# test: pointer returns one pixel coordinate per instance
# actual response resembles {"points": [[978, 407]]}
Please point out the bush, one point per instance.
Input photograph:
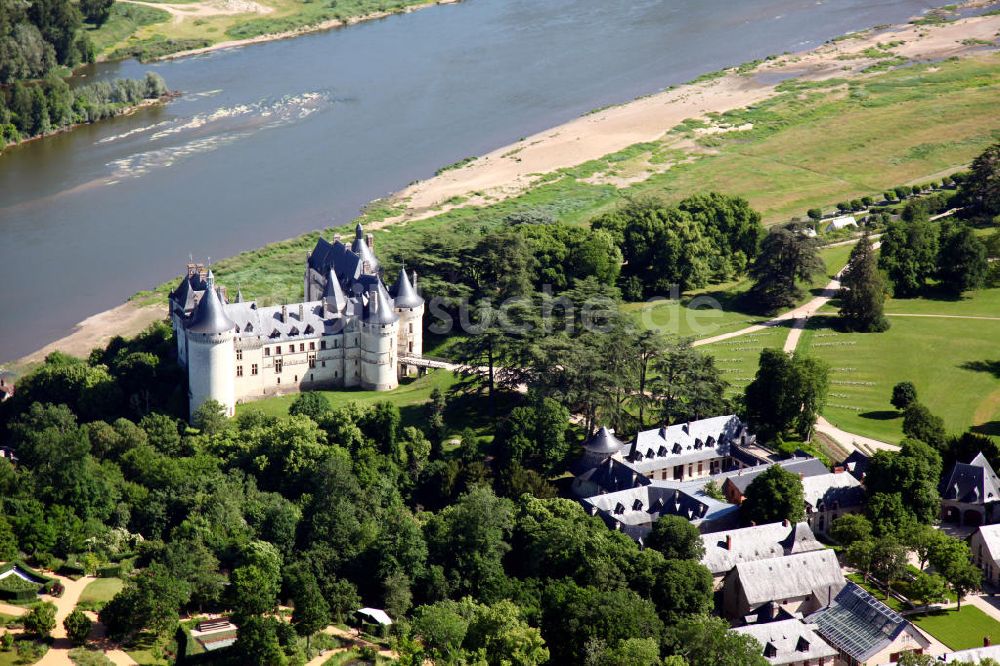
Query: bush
{"points": [[815, 214], [843, 206], [77, 627], [857, 205], [41, 620], [902, 192], [109, 571], [889, 196], [868, 202], [70, 569]]}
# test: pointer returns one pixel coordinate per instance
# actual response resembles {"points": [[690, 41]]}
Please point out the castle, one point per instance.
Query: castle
{"points": [[350, 331]]}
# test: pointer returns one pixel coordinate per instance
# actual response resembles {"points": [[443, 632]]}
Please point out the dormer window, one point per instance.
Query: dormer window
{"points": [[619, 509], [249, 328], [294, 331], [677, 448]]}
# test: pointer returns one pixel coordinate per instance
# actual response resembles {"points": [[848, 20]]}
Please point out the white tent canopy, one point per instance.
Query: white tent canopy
{"points": [[376, 615]]}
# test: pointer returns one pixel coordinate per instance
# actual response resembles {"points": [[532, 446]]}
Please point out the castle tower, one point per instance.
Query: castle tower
{"points": [[409, 306], [364, 247], [211, 352], [379, 334]]}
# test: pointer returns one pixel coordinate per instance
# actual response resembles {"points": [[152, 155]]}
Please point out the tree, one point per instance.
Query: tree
{"points": [[920, 424], [860, 556], [888, 561], [151, 600], [676, 538], [688, 384], [785, 259], [913, 473], [210, 417], [682, 588], [849, 528], [499, 636], [96, 11], [903, 395], [928, 589], [863, 294], [77, 626], [442, 629], [310, 611], [257, 642], [787, 392], [889, 515], [951, 558], [707, 641], [254, 586], [815, 214], [982, 187], [774, 495], [964, 578], [311, 404], [962, 264], [909, 255], [40, 620]]}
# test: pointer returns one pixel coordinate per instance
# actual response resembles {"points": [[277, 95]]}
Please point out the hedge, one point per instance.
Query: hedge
{"points": [[109, 571]]}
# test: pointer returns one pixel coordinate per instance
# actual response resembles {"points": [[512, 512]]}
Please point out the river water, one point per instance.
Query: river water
{"points": [[276, 139]]}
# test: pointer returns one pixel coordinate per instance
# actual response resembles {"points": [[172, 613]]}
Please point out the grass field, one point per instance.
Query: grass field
{"points": [[99, 592], [955, 364], [141, 30], [411, 393], [959, 630], [737, 358]]}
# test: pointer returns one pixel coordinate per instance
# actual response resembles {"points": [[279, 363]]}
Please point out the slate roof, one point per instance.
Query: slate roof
{"points": [[972, 483], [684, 443], [404, 294], [856, 464], [603, 441], [187, 292], [789, 577], [724, 550], [634, 510], [858, 623], [333, 294], [825, 491], [380, 307], [210, 315], [611, 475], [805, 467], [788, 641]]}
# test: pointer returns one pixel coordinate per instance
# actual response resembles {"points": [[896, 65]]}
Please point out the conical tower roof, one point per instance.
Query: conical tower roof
{"points": [[210, 316], [379, 310], [360, 248], [603, 441], [333, 295], [404, 293]]}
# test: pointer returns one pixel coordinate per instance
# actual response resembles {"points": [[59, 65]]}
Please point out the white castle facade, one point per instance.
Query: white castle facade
{"points": [[350, 331]]}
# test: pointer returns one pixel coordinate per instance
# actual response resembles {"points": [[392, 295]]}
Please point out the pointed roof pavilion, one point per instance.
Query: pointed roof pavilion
{"points": [[603, 441], [210, 315], [404, 293]]}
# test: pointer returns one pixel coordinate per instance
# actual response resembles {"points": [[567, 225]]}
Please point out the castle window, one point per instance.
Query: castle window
{"points": [[324, 365], [277, 367], [267, 351], [310, 377], [253, 369], [296, 379], [322, 344], [302, 346], [410, 346], [239, 371], [411, 327], [312, 360], [279, 380], [277, 349], [239, 354], [312, 346]]}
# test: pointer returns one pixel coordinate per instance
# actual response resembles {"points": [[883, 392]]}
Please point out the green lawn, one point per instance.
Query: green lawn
{"points": [[737, 358], [98, 593], [959, 630], [11, 658], [955, 364], [412, 392]]}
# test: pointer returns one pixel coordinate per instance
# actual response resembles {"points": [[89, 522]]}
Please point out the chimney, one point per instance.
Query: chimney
{"points": [[284, 314], [838, 469], [687, 428], [785, 522], [370, 241], [414, 280], [302, 311], [987, 642], [729, 542]]}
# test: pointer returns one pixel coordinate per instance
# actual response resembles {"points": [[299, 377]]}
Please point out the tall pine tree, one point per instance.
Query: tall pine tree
{"points": [[862, 298]]}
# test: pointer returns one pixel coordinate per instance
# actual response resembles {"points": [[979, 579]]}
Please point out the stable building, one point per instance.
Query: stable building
{"points": [[724, 550], [829, 496], [799, 583], [790, 643], [971, 493], [634, 511]]}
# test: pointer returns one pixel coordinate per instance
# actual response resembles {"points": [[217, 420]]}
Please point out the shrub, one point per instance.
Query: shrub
{"points": [[857, 205], [77, 627], [868, 202], [889, 196], [902, 192], [41, 620], [843, 206], [109, 571], [815, 214]]}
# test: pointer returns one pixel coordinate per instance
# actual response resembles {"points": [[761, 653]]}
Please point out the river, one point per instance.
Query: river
{"points": [[275, 139]]}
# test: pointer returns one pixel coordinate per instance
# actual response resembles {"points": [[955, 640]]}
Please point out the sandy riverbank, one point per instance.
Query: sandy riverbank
{"points": [[317, 27], [508, 171]]}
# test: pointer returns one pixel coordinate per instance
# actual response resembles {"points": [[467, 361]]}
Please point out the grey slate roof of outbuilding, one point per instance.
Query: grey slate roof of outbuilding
{"points": [[603, 441], [804, 467], [724, 550], [990, 535], [683, 443], [789, 577], [610, 476], [210, 315], [633, 510], [858, 623], [972, 483], [404, 294], [825, 491], [793, 641]]}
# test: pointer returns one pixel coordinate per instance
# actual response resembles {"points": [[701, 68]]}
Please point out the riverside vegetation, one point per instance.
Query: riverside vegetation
{"points": [[39, 44]]}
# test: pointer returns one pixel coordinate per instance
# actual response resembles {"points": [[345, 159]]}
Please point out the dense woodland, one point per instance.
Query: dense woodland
{"points": [[40, 43], [456, 520]]}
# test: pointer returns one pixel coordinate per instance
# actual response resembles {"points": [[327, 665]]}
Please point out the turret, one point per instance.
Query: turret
{"points": [[409, 306], [379, 333], [365, 248], [334, 299], [211, 353]]}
